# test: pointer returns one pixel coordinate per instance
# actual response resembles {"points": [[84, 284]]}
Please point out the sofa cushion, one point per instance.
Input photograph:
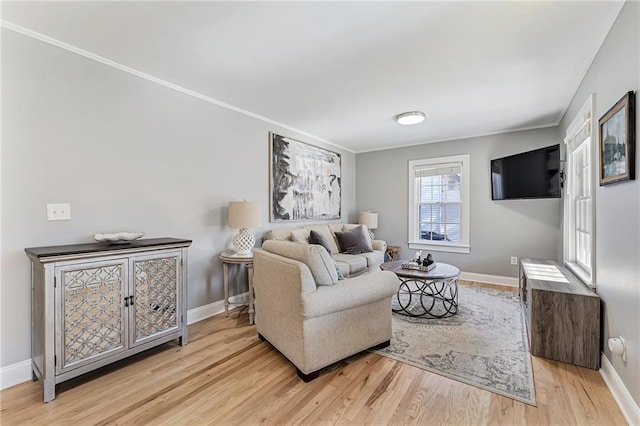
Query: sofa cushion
{"points": [[343, 267], [317, 238], [319, 262], [356, 263], [354, 241], [374, 258], [278, 234], [300, 236], [324, 230], [336, 227]]}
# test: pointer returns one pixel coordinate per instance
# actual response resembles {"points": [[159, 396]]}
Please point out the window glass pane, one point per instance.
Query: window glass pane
{"points": [[452, 231], [452, 212], [426, 213], [588, 226], [425, 231], [453, 193]]}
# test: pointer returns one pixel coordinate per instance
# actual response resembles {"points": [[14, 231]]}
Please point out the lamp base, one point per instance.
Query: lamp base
{"points": [[373, 237], [243, 242]]}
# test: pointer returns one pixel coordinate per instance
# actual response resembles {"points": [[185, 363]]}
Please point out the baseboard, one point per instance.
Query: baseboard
{"points": [[620, 393], [489, 279], [203, 312], [15, 374], [20, 372]]}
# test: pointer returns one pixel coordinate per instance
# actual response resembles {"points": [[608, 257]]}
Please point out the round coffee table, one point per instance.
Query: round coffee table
{"points": [[432, 294]]}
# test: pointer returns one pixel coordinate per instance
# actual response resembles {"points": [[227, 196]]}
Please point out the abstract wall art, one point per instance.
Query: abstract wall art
{"points": [[305, 181]]}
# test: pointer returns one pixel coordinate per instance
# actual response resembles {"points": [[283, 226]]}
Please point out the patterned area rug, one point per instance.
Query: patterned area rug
{"points": [[484, 345]]}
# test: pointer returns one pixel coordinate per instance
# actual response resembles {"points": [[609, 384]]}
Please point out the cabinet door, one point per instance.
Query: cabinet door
{"points": [[90, 312], [157, 300]]}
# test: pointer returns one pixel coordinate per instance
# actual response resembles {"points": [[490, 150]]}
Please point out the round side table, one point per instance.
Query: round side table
{"points": [[229, 257]]}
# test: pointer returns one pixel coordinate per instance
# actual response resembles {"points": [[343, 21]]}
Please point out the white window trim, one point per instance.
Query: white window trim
{"points": [[580, 120], [414, 230]]}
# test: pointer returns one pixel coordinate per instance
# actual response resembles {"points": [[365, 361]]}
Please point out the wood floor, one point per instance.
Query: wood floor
{"points": [[226, 375]]}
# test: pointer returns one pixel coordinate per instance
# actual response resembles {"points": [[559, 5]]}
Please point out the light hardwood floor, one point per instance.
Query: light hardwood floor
{"points": [[226, 375]]}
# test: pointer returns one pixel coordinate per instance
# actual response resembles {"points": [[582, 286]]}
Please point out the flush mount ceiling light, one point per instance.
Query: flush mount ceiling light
{"points": [[411, 117]]}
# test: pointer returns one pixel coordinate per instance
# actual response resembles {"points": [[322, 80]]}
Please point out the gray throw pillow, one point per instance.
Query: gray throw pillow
{"points": [[354, 241], [317, 238]]}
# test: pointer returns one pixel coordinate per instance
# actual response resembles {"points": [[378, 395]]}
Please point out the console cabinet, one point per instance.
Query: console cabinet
{"points": [[562, 313], [93, 304]]}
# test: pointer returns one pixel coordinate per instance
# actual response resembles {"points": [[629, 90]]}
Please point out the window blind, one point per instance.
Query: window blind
{"points": [[439, 201]]}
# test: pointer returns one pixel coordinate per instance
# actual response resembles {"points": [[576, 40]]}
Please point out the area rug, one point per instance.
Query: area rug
{"points": [[484, 345]]}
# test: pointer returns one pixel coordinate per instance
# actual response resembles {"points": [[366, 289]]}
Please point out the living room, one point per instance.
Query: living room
{"points": [[133, 149]]}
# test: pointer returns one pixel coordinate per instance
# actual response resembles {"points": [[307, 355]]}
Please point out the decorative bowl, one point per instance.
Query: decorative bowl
{"points": [[118, 237]]}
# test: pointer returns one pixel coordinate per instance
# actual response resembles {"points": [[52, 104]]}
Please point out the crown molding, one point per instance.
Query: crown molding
{"points": [[89, 55]]}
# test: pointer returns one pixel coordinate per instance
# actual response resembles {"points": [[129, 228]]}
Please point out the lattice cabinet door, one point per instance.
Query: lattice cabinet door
{"points": [[155, 298], [90, 313]]}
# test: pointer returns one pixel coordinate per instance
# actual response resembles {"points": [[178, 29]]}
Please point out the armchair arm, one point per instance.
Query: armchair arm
{"points": [[380, 245], [350, 293]]}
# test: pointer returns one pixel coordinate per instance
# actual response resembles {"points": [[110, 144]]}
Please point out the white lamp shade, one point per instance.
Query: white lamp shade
{"points": [[244, 214], [368, 218]]}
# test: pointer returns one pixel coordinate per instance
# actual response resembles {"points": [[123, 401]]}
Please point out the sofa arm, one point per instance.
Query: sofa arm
{"points": [[379, 245], [350, 293]]}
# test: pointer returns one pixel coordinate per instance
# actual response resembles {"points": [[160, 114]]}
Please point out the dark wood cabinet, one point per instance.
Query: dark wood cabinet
{"points": [[562, 313]]}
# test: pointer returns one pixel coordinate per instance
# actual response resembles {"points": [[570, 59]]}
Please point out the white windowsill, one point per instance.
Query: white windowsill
{"points": [[580, 273], [449, 248]]}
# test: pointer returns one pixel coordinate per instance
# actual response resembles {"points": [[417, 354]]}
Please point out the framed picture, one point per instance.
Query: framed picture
{"points": [[617, 142], [305, 181]]}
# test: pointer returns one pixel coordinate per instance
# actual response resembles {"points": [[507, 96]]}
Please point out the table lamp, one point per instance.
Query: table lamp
{"points": [[244, 215], [370, 219]]}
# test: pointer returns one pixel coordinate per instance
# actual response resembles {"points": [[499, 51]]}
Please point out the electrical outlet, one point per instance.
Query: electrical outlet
{"points": [[58, 212], [514, 260]]}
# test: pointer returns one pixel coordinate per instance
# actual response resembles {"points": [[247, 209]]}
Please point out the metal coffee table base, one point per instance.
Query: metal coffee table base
{"points": [[427, 298]]}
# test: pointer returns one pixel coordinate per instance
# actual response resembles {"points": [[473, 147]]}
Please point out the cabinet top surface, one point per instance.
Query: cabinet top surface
{"points": [[550, 275], [42, 253]]}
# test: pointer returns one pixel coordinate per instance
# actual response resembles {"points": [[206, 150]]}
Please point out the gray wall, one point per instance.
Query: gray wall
{"points": [[615, 71], [127, 154], [499, 229]]}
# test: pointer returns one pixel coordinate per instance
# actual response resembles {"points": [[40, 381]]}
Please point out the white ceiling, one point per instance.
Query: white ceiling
{"points": [[340, 71]]}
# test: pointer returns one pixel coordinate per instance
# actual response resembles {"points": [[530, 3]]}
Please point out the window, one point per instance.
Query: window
{"points": [[439, 204], [579, 195]]}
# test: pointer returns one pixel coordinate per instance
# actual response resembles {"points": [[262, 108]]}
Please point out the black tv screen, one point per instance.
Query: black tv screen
{"points": [[532, 174]]}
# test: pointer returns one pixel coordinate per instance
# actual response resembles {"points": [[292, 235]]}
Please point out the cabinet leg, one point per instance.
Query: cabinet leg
{"points": [[182, 340], [34, 376], [49, 389]]}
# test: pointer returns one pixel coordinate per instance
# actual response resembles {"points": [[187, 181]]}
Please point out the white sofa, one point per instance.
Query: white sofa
{"points": [[350, 265], [309, 315]]}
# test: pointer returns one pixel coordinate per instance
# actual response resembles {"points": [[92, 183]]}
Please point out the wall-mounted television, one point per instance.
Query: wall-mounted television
{"points": [[532, 174]]}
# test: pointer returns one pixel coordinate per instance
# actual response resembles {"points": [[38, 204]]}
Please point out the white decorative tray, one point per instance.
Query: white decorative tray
{"points": [[118, 237], [414, 266]]}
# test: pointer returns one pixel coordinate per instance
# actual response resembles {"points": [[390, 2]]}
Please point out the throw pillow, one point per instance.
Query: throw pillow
{"points": [[354, 241], [300, 236], [317, 238]]}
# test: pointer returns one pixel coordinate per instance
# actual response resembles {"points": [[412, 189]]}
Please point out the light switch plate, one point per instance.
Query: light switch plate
{"points": [[58, 211]]}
